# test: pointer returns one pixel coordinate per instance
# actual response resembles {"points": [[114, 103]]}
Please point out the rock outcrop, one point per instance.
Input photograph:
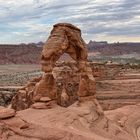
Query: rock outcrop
{"points": [[80, 121], [72, 82], [64, 38], [6, 112]]}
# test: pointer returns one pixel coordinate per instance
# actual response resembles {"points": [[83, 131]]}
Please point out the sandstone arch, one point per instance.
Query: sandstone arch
{"points": [[74, 82], [64, 38]]}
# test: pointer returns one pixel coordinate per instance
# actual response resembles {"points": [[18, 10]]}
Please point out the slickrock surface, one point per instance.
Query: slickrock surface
{"points": [[79, 121], [128, 117]]}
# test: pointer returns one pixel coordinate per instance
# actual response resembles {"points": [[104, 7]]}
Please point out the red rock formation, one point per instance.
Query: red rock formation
{"points": [[64, 38], [46, 87], [81, 121]]}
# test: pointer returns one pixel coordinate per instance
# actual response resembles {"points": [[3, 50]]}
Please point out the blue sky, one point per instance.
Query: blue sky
{"points": [[24, 21]]}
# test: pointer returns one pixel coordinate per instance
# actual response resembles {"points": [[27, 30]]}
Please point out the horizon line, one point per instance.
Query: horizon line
{"points": [[85, 41]]}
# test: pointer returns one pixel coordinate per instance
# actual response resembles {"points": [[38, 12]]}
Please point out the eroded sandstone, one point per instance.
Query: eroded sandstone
{"points": [[61, 104], [66, 86]]}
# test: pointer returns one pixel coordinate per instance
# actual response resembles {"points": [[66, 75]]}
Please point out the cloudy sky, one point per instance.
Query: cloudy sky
{"points": [[31, 20]]}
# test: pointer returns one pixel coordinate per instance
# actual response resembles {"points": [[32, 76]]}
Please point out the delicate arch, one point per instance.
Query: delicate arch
{"points": [[64, 38]]}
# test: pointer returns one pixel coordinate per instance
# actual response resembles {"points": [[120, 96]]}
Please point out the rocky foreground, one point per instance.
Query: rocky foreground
{"points": [[79, 121]]}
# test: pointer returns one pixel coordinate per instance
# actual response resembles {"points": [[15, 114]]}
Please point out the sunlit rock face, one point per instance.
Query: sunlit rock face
{"points": [[138, 133], [67, 82], [64, 38]]}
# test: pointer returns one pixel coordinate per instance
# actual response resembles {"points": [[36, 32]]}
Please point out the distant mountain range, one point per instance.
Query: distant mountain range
{"points": [[20, 54], [30, 53], [113, 49]]}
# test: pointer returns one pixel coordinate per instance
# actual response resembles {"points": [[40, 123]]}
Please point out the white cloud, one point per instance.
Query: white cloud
{"points": [[32, 20]]}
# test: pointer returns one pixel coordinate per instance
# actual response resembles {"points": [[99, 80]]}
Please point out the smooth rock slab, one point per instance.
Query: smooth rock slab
{"points": [[41, 105], [16, 122], [45, 99], [2, 107], [6, 113]]}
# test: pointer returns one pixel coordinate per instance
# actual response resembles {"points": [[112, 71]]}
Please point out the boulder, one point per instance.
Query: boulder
{"points": [[45, 99], [6, 113], [40, 105]]}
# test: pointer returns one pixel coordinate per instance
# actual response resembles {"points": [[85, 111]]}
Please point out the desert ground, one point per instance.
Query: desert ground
{"points": [[12, 75]]}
